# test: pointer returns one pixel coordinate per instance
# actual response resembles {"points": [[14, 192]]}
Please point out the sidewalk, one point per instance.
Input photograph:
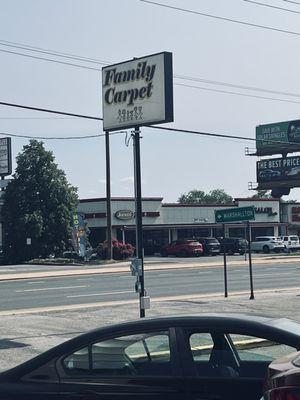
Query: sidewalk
{"points": [[31, 334], [150, 265]]}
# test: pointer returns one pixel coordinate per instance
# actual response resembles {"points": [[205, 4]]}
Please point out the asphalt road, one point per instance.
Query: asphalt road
{"points": [[65, 291]]}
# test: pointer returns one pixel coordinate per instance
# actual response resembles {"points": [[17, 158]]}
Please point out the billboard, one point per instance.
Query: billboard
{"points": [[138, 92], [277, 172], [278, 138], [5, 156]]}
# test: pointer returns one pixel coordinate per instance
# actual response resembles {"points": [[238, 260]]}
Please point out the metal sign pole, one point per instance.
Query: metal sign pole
{"points": [[138, 215], [108, 198], [225, 262], [250, 261]]}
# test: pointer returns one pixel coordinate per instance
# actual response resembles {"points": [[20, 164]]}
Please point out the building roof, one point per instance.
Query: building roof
{"points": [[97, 199], [251, 199], [197, 205]]}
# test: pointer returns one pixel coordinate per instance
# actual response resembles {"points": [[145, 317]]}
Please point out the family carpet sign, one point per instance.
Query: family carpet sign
{"points": [[138, 92]]}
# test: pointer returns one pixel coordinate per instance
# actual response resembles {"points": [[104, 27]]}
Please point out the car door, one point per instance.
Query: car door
{"points": [[143, 365], [256, 245], [172, 248], [222, 366]]}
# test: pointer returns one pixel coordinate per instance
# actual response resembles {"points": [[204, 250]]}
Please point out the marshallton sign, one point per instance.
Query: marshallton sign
{"points": [[138, 92]]}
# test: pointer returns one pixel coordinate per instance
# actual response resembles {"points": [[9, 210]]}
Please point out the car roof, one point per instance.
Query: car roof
{"points": [[218, 321]]}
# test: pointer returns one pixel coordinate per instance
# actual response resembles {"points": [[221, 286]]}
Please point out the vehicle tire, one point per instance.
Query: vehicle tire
{"points": [[230, 252], [266, 249], [277, 250], [242, 252]]}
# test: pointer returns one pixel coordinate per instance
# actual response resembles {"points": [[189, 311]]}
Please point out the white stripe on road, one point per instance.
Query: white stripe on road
{"points": [[35, 282], [85, 279], [278, 274], [53, 288], [100, 294]]}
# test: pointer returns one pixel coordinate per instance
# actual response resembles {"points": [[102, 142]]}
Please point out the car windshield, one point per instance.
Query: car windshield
{"points": [[212, 241]]}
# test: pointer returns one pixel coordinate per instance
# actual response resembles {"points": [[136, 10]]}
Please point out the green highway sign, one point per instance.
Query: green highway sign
{"points": [[235, 214]]}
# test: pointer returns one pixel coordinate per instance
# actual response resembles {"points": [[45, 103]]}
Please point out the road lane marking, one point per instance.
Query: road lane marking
{"points": [[53, 288], [35, 282], [218, 295], [258, 275], [85, 279], [100, 294]]}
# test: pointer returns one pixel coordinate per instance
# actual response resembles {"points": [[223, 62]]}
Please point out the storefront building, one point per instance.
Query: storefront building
{"points": [[290, 215], [166, 222]]}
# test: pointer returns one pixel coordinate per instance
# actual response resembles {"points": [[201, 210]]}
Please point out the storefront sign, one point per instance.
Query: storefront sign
{"points": [[5, 156], [278, 137], [265, 210], [138, 92], [235, 214], [279, 170], [295, 214], [124, 215]]}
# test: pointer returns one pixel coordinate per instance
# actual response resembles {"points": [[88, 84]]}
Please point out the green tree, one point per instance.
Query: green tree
{"points": [[38, 204], [216, 196]]}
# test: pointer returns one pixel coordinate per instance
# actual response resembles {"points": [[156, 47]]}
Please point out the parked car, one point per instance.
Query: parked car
{"points": [[211, 246], [291, 243], [182, 248], [268, 174], [212, 356], [233, 245], [266, 244], [283, 380]]}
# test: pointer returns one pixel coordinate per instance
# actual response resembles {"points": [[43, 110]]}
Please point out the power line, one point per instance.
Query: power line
{"points": [[37, 49], [54, 137], [219, 135], [238, 94], [221, 18], [49, 59], [228, 84], [37, 118], [224, 136], [47, 110], [292, 2], [51, 52], [269, 5]]}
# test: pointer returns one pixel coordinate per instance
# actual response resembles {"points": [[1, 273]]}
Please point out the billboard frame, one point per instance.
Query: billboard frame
{"points": [[168, 93]]}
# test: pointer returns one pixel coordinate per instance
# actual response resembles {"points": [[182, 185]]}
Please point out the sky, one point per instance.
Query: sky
{"points": [[203, 48]]}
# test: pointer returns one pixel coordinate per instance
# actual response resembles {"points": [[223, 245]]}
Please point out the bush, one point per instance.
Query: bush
{"points": [[120, 251]]}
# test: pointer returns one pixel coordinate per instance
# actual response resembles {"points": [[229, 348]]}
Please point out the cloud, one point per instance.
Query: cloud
{"points": [[129, 179]]}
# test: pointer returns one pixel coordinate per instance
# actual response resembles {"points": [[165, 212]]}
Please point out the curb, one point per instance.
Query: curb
{"points": [[126, 269]]}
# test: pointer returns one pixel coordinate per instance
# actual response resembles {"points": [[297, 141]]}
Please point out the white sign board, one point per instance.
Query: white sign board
{"points": [[138, 92], [5, 156]]}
